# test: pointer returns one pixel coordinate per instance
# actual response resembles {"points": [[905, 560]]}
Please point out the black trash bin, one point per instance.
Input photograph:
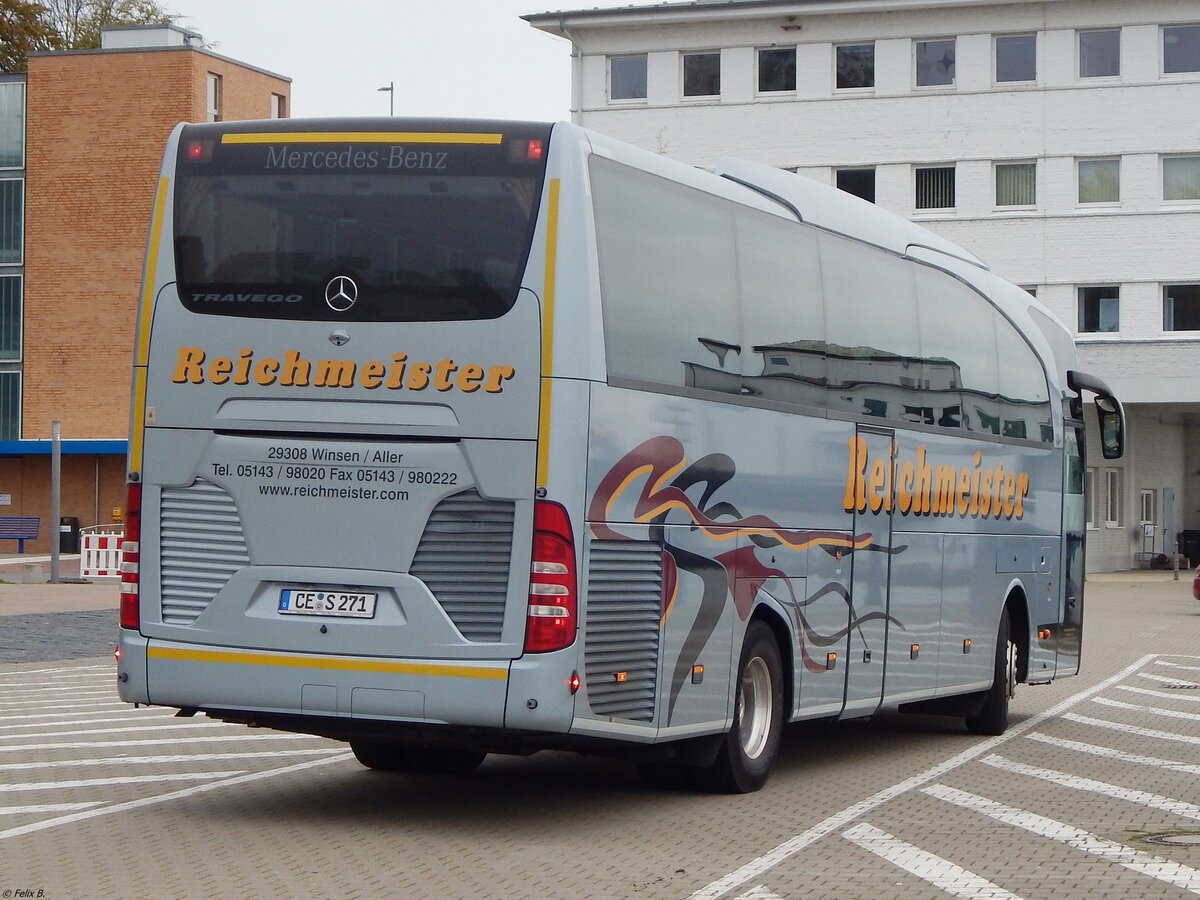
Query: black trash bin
{"points": [[68, 534], [1189, 545]]}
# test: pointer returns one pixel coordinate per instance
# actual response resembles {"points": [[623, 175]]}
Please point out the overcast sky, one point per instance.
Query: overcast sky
{"points": [[446, 57]]}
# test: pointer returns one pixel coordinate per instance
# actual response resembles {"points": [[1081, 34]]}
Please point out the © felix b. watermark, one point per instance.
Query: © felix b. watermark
{"points": [[11, 894]]}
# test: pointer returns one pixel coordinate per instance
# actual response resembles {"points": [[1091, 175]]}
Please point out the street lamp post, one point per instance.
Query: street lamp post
{"points": [[390, 87]]}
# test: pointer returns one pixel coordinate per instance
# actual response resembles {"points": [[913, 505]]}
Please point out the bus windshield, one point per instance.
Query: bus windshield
{"points": [[432, 229]]}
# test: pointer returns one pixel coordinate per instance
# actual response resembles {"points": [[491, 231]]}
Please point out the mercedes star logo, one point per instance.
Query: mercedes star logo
{"points": [[341, 292]]}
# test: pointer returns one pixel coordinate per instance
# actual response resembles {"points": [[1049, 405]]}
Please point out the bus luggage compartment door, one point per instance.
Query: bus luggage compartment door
{"points": [[870, 595]]}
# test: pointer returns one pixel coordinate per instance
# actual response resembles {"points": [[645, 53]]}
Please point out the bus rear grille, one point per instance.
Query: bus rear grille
{"points": [[624, 608], [464, 559], [202, 545]]}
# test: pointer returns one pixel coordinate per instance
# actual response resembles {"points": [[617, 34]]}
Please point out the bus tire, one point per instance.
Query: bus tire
{"points": [[382, 756], [992, 717], [748, 750]]}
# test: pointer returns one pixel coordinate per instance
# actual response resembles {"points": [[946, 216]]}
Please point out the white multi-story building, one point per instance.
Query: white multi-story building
{"points": [[1059, 140]]}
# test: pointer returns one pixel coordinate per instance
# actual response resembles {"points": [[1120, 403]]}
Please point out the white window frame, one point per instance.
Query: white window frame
{"points": [[1089, 492], [1162, 51], [1003, 85], [786, 92], [921, 210], [278, 106], [24, 124], [869, 89], [212, 97], [20, 178], [691, 98], [19, 277], [1112, 498], [1093, 204], [953, 85], [1088, 79], [1148, 506], [1019, 207], [1175, 332], [623, 101], [1162, 179]]}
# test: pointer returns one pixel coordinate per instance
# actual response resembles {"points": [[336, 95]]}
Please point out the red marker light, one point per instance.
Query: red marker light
{"points": [[533, 150], [195, 150], [198, 151]]}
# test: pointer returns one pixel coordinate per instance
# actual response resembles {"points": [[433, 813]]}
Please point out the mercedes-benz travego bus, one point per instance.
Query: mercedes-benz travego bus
{"points": [[464, 437]]}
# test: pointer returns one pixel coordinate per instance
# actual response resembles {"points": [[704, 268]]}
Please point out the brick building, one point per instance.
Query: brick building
{"points": [[81, 138]]}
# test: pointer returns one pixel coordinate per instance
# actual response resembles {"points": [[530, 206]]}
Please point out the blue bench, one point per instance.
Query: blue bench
{"points": [[19, 529]]}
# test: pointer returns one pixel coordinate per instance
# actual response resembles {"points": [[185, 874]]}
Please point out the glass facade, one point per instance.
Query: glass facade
{"points": [[12, 124], [12, 251]]}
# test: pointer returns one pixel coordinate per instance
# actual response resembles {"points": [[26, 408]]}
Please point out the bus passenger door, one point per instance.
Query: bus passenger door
{"points": [[1070, 634], [870, 596]]}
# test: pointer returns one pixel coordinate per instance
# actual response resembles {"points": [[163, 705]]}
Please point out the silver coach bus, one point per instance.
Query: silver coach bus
{"points": [[460, 437]]}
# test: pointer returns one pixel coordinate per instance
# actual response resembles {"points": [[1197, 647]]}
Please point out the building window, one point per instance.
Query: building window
{"points": [[12, 125], [855, 66], [1112, 498], [10, 317], [935, 62], [1181, 178], [776, 70], [278, 106], [1016, 184], [935, 187], [859, 182], [1030, 289], [1100, 53], [1090, 494], [1181, 49], [1016, 58], [1099, 309], [12, 221], [1147, 504], [627, 77], [702, 74], [10, 406], [1181, 307], [212, 101], [1099, 180]]}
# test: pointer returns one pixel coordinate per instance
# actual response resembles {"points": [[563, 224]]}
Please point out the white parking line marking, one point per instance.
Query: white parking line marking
{"points": [[1144, 863], [106, 678], [1188, 685], [145, 742], [941, 873], [8, 690], [46, 808], [1163, 662], [1153, 710], [1133, 729], [91, 703], [1160, 695], [134, 730], [160, 760], [120, 779], [174, 795], [759, 892], [99, 710], [131, 716], [1121, 755], [1075, 782], [59, 670], [794, 845]]}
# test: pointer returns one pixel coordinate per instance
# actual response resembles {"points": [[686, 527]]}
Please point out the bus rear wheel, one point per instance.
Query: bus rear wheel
{"points": [[383, 756], [748, 750], [992, 717]]}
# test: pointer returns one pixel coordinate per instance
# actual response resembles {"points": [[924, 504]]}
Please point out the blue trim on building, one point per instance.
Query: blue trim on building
{"points": [[44, 448]]}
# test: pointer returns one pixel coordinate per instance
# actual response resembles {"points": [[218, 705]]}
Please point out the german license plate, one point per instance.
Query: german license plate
{"points": [[349, 604]]}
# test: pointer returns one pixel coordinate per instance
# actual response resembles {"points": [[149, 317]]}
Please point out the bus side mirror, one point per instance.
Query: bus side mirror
{"points": [[1108, 410], [1112, 427]]}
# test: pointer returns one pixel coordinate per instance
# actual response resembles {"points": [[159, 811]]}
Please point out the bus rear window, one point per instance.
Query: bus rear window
{"points": [[372, 226]]}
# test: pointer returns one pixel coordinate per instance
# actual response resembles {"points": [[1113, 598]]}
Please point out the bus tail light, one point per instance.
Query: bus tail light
{"points": [[130, 617], [552, 591]]}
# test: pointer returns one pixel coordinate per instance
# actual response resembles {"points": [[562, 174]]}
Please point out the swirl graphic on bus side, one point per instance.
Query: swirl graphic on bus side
{"points": [[657, 469]]}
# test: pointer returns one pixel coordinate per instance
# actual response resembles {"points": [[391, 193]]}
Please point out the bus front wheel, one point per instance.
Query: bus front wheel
{"points": [[748, 750], [992, 717]]}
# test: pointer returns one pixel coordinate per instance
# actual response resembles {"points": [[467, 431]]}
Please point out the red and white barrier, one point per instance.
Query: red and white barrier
{"points": [[100, 552]]}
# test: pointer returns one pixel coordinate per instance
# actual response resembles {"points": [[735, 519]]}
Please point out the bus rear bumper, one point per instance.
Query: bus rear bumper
{"points": [[203, 677]]}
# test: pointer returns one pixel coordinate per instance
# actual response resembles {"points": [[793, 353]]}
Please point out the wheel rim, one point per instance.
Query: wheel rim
{"points": [[754, 707]]}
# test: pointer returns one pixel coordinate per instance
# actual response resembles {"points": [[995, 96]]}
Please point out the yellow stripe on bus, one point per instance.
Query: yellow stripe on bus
{"points": [[358, 137], [543, 452], [137, 420], [327, 663], [148, 285]]}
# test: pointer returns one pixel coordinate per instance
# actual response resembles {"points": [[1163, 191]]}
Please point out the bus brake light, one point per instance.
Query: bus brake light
{"points": [[130, 615], [551, 618], [534, 150]]}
